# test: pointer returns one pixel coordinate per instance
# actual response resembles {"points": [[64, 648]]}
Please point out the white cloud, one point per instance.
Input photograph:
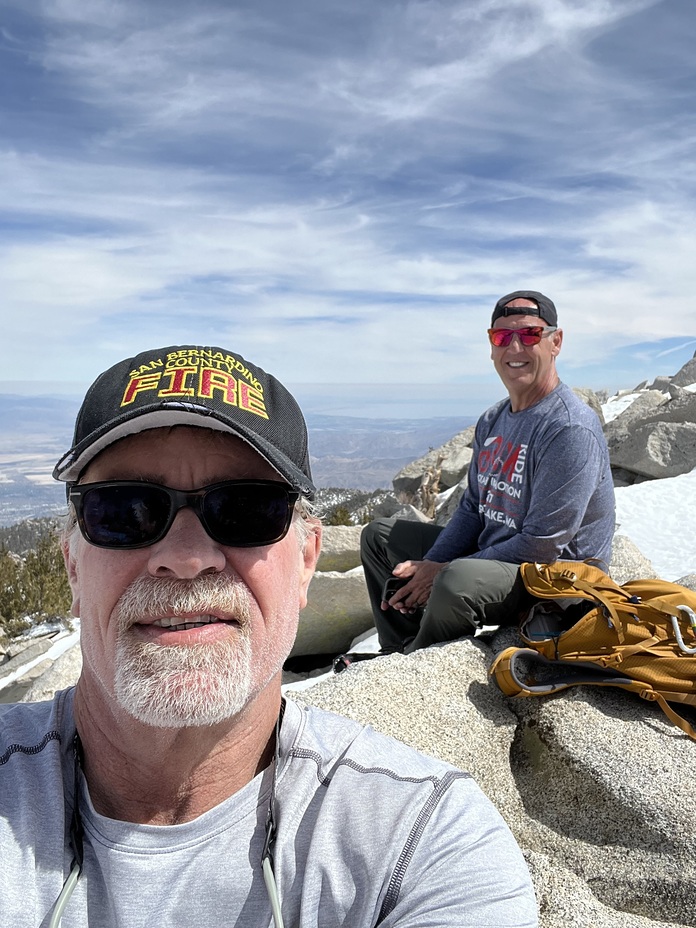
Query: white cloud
{"points": [[345, 191]]}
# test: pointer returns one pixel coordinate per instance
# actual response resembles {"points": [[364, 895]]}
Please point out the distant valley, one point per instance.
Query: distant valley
{"points": [[359, 453], [367, 453]]}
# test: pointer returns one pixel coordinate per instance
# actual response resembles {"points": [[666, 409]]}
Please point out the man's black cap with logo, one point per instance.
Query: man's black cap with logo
{"points": [[194, 385]]}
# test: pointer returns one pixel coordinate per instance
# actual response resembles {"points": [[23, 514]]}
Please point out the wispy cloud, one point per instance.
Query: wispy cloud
{"points": [[342, 191], [680, 347]]}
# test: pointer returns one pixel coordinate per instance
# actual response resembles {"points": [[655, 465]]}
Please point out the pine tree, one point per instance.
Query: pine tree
{"points": [[33, 589], [11, 600], [43, 580]]}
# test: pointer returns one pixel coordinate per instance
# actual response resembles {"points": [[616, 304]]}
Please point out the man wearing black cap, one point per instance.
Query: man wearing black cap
{"points": [[539, 489], [174, 785]]}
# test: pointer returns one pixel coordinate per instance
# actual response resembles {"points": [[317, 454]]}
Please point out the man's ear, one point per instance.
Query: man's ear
{"points": [[73, 579], [309, 557], [556, 342]]}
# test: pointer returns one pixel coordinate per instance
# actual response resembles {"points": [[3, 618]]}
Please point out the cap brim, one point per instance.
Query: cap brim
{"points": [[72, 464]]}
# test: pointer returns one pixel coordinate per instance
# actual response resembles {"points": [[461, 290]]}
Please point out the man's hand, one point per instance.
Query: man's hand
{"points": [[415, 593]]}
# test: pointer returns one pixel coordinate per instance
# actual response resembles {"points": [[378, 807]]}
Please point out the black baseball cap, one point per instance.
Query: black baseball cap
{"points": [[192, 385], [545, 306]]}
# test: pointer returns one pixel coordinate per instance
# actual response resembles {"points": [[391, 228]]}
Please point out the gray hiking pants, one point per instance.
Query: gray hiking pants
{"points": [[466, 594]]}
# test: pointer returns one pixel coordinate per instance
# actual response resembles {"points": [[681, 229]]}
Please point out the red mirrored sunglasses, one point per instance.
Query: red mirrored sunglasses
{"points": [[528, 335]]}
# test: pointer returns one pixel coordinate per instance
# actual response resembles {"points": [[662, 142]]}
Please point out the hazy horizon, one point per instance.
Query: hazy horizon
{"points": [[412, 400]]}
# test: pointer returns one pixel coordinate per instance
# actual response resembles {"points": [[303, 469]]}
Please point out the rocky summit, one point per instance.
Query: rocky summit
{"points": [[595, 784]]}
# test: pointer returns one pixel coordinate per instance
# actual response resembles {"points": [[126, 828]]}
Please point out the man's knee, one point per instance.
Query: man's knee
{"points": [[374, 537], [399, 539], [474, 592], [371, 531], [455, 581], [448, 615], [448, 604]]}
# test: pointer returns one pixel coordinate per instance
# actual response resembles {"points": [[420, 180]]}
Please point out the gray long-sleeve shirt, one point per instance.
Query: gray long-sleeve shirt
{"points": [[368, 832], [539, 487]]}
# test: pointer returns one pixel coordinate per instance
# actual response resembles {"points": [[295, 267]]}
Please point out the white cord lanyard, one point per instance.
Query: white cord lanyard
{"points": [[76, 840], [267, 854]]}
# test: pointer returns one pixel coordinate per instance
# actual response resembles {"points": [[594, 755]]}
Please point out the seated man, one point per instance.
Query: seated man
{"points": [[539, 489], [174, 786]]}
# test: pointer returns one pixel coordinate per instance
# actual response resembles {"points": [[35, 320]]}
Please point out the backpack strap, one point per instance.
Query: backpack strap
{"points": [[561, 579], [596, 592], [679, 720], [510, 678], [619, 654]]}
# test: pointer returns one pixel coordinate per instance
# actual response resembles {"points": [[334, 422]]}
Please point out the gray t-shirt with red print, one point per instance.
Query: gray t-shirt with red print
{"points": [[539, 487]]}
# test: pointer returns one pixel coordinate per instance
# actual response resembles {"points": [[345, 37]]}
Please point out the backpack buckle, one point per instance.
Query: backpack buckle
{"points": [[568, 575]]}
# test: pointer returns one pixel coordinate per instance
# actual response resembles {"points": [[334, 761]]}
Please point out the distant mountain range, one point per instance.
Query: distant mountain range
{"points": [[360, 453], [366, 454]]}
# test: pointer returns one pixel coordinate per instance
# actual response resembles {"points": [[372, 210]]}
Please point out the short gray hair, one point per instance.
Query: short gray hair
{"points": [[305, 519]]}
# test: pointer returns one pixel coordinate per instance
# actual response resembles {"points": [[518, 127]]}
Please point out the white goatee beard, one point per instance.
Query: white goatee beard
{"points": [[177, 686]]}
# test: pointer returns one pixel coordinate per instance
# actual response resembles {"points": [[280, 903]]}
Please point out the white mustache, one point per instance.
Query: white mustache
{"points": [[210, 594]]}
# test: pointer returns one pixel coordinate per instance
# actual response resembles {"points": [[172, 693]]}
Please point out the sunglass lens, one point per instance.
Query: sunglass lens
{"points": [[500, 338], [246, 516], [530, 336], [125, 516]]}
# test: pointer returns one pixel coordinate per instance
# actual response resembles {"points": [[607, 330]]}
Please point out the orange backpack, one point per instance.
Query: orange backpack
{"points": [[587, 629]]}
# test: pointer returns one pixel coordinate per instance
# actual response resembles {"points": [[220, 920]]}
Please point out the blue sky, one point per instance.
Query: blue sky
{"points": [[340, 191]]}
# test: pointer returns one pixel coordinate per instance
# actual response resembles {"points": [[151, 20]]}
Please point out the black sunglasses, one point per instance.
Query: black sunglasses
{"points": [[135, 514]]}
